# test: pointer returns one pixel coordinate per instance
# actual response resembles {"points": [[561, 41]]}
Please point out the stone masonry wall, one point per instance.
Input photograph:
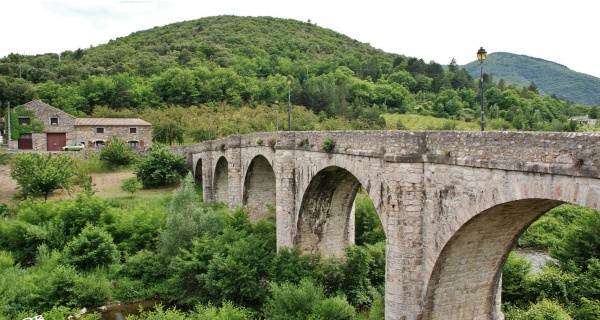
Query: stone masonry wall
{"points": [[87, 134]]}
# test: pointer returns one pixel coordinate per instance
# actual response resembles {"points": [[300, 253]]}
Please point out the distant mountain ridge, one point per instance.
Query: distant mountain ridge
{"points": [[549, 77]]}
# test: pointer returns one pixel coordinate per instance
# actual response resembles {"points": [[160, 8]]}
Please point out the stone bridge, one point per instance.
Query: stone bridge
{"points": [[452, 204]]}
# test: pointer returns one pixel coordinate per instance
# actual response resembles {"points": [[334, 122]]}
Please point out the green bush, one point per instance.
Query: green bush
{"points": [[93, 247], [160, 167], [92, 291], [145, 265], [581, 241], [117, 153], [546, 310], [6, 260], [368, 225], [22, 239], [554, 284], [135, 228], [514, 273], [334, 308], [291, 265], [60, 290], [328, 144], [131, 185], [289, 301]]}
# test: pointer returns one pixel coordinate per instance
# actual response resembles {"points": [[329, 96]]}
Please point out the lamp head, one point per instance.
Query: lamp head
{"points": [[481, 54], [288, 80]]}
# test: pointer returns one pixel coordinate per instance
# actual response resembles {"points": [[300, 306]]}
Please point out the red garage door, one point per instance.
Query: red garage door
{"points": [[25, 142], [56, 141]]}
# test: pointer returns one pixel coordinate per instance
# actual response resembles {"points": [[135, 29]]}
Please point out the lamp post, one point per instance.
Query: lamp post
{"points": [[289, 83], [481, 54], [276, 115]]}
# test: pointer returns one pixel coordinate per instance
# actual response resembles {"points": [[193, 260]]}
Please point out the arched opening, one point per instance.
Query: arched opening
{"points": [[221, 181], [326, 220], [198, 171], [259, 189], [466, 280]]}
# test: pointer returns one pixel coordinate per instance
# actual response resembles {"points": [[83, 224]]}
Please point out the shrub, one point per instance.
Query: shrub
{"points": [[61, 286], [92, 291], [259, 141], [131, 185], [515, 270], [334, 308], [272, 141], [117, 153], [6, 260], [92, 248], [160, 167], [547, 310], [289, 301], [328, 144], [581, 241]]}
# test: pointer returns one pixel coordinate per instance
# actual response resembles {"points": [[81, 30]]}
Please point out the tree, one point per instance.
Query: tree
{"points": [[117, 152], [37, 173], [93, 247], [131, 185], [160, 167], [167, 133]]}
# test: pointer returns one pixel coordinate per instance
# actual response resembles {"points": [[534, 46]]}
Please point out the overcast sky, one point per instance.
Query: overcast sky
{"points": [[565, 32]]}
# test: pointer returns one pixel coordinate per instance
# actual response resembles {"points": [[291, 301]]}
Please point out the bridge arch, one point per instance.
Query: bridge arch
{"points": [[259, 189], [326, 217], [466, 280], [479, 223], [221, 181]]}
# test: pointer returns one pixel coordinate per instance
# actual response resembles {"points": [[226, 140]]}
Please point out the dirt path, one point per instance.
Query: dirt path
{"points": [[8, 186]]}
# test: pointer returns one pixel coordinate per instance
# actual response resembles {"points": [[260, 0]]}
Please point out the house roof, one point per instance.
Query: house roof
{"points": [[38, 104], [111, 122]]}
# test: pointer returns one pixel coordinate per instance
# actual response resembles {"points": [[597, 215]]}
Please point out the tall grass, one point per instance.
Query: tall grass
{"points": [[419, 122]]}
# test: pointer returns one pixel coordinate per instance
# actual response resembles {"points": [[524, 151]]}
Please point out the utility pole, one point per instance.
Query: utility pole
{"points": [[9, 138]]}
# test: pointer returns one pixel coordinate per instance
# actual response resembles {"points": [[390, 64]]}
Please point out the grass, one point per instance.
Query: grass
{"points": [[5, 157], [419, 122]]}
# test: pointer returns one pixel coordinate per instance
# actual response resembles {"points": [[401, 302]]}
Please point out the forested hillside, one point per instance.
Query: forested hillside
{"points": [[221, 71], [550, 78]]}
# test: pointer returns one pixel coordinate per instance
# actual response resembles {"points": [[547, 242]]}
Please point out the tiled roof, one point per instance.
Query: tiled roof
{"points": [[111, 122]]}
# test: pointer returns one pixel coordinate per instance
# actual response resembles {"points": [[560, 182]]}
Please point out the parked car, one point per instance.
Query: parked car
{"points": [[73, 147]]}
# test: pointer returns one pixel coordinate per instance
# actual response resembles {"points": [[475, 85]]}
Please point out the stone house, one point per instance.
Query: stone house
{"points": [[584, 120], [60, 129]]}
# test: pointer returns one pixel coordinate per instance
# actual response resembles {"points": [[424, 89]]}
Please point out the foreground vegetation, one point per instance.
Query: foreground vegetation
{"points": [[87, 252]]}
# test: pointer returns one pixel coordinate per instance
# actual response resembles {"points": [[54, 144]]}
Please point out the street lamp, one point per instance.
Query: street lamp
{"points": [[277, 115], [289, 83], [481, 54]]}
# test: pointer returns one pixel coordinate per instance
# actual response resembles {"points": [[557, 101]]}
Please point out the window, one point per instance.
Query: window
{"points": [[54, 121], [132, 130], [98, 143], [99, 130], [24, 121], [133, 143]]}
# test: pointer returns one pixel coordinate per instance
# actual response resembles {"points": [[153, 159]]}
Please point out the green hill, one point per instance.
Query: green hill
{"points": [[551, 78], [226, 72]]}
